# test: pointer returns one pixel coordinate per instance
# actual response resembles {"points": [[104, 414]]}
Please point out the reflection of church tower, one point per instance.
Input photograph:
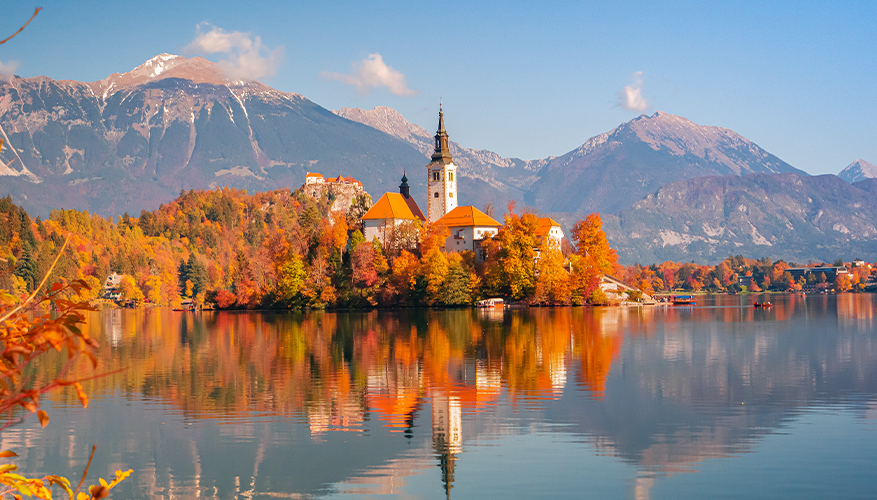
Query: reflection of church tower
{"points": [[442, 182], [447, 435]]}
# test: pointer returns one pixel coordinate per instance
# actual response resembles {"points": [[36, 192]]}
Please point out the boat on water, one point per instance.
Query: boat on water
{"points": [[762, 304], [683, 300], [186, 306], [491, 303]]}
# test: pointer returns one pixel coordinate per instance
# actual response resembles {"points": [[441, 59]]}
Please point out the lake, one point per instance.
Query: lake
{"points": [[719, 400]]}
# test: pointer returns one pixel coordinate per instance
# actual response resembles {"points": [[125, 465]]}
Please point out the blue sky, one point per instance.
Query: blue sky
{"points": [[523, 79]]}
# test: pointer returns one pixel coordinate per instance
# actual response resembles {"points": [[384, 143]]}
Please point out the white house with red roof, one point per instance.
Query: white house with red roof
{"points": [[469, 228], [549, 228]]}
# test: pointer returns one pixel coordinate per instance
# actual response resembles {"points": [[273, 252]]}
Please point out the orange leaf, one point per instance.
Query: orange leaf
{"points": [[92, 358], [44, 418], [56, 286], [83, 398], [7, 454]]}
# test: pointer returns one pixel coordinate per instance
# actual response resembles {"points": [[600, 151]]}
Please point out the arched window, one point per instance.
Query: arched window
{"points": [[435, 195], [450, 176]]}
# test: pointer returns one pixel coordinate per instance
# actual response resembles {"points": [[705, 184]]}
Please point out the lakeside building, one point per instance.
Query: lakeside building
{"points": [[469, 228], [831, 272], [386, 219], [619, 291], [549, 228], [111, 287]]}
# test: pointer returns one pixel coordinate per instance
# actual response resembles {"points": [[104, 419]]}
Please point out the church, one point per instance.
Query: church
{"points": [[469, 226]]}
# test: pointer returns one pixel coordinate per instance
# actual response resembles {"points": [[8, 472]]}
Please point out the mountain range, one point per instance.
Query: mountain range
{"points": [[783, 216], [664, 184], [134, 140]]}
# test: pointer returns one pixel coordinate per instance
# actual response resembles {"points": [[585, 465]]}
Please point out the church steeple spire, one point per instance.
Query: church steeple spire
{"points": [[404, 188], [442, 152], [441, 183]]}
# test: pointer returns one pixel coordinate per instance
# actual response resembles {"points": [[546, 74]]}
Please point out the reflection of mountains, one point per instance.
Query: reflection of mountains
{"points": [[434, 380], [700, 389]]}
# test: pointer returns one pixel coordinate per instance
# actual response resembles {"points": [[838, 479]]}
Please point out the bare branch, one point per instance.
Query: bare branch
{"points": [[85, 472], [10, 37]]}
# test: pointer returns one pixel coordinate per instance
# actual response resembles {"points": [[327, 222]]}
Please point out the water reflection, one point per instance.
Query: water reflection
{"points": [[364, 403]]}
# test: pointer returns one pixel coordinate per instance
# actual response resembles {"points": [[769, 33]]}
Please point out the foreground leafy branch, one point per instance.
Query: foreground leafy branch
{"points": [[29, 328]]}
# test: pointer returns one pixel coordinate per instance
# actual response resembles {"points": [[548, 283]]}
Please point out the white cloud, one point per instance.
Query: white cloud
{"points": [[631, 96], [245, 56], [7, 70], [372, 73]]}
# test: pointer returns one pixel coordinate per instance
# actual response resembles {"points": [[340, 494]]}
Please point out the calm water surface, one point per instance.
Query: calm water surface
{"points": [[720, 400]]}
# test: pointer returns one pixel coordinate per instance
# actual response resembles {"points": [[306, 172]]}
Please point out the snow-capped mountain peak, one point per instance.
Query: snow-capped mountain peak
{"points": [[157, 65], [196, 69]]}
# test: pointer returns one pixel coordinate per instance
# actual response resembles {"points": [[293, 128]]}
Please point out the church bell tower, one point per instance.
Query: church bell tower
{"points": [[442, 181]]}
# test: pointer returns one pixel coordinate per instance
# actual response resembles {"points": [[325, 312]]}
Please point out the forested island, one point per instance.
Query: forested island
{"points": [[283, 249]]}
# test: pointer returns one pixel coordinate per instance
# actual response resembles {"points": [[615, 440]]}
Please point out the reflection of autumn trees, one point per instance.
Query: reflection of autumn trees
{"points": [[335, 370]]}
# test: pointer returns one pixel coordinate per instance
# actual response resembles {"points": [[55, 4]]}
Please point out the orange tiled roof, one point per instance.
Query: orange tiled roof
{"points": [[467, 216], [414, 208], [341, 178], [390, 206], [545, 225], [312, 174]]}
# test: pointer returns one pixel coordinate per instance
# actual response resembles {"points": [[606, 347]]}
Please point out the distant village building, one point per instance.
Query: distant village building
{"points": [[831, 272], [341, 189], [442, 176], [549, 228], [314, 178], [111, 287], [469, 228], [619, 291], [746, 281], [318, 179], [391, 211]]}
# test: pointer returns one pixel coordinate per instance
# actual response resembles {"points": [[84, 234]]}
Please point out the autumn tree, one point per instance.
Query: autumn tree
{"points": [[591, 243], [402, 236], [459, 282], [517, 254], [404, 276], [432, 274], [130, 291], [584, 279], [291, 276], [842, 282], [553, 284]]}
